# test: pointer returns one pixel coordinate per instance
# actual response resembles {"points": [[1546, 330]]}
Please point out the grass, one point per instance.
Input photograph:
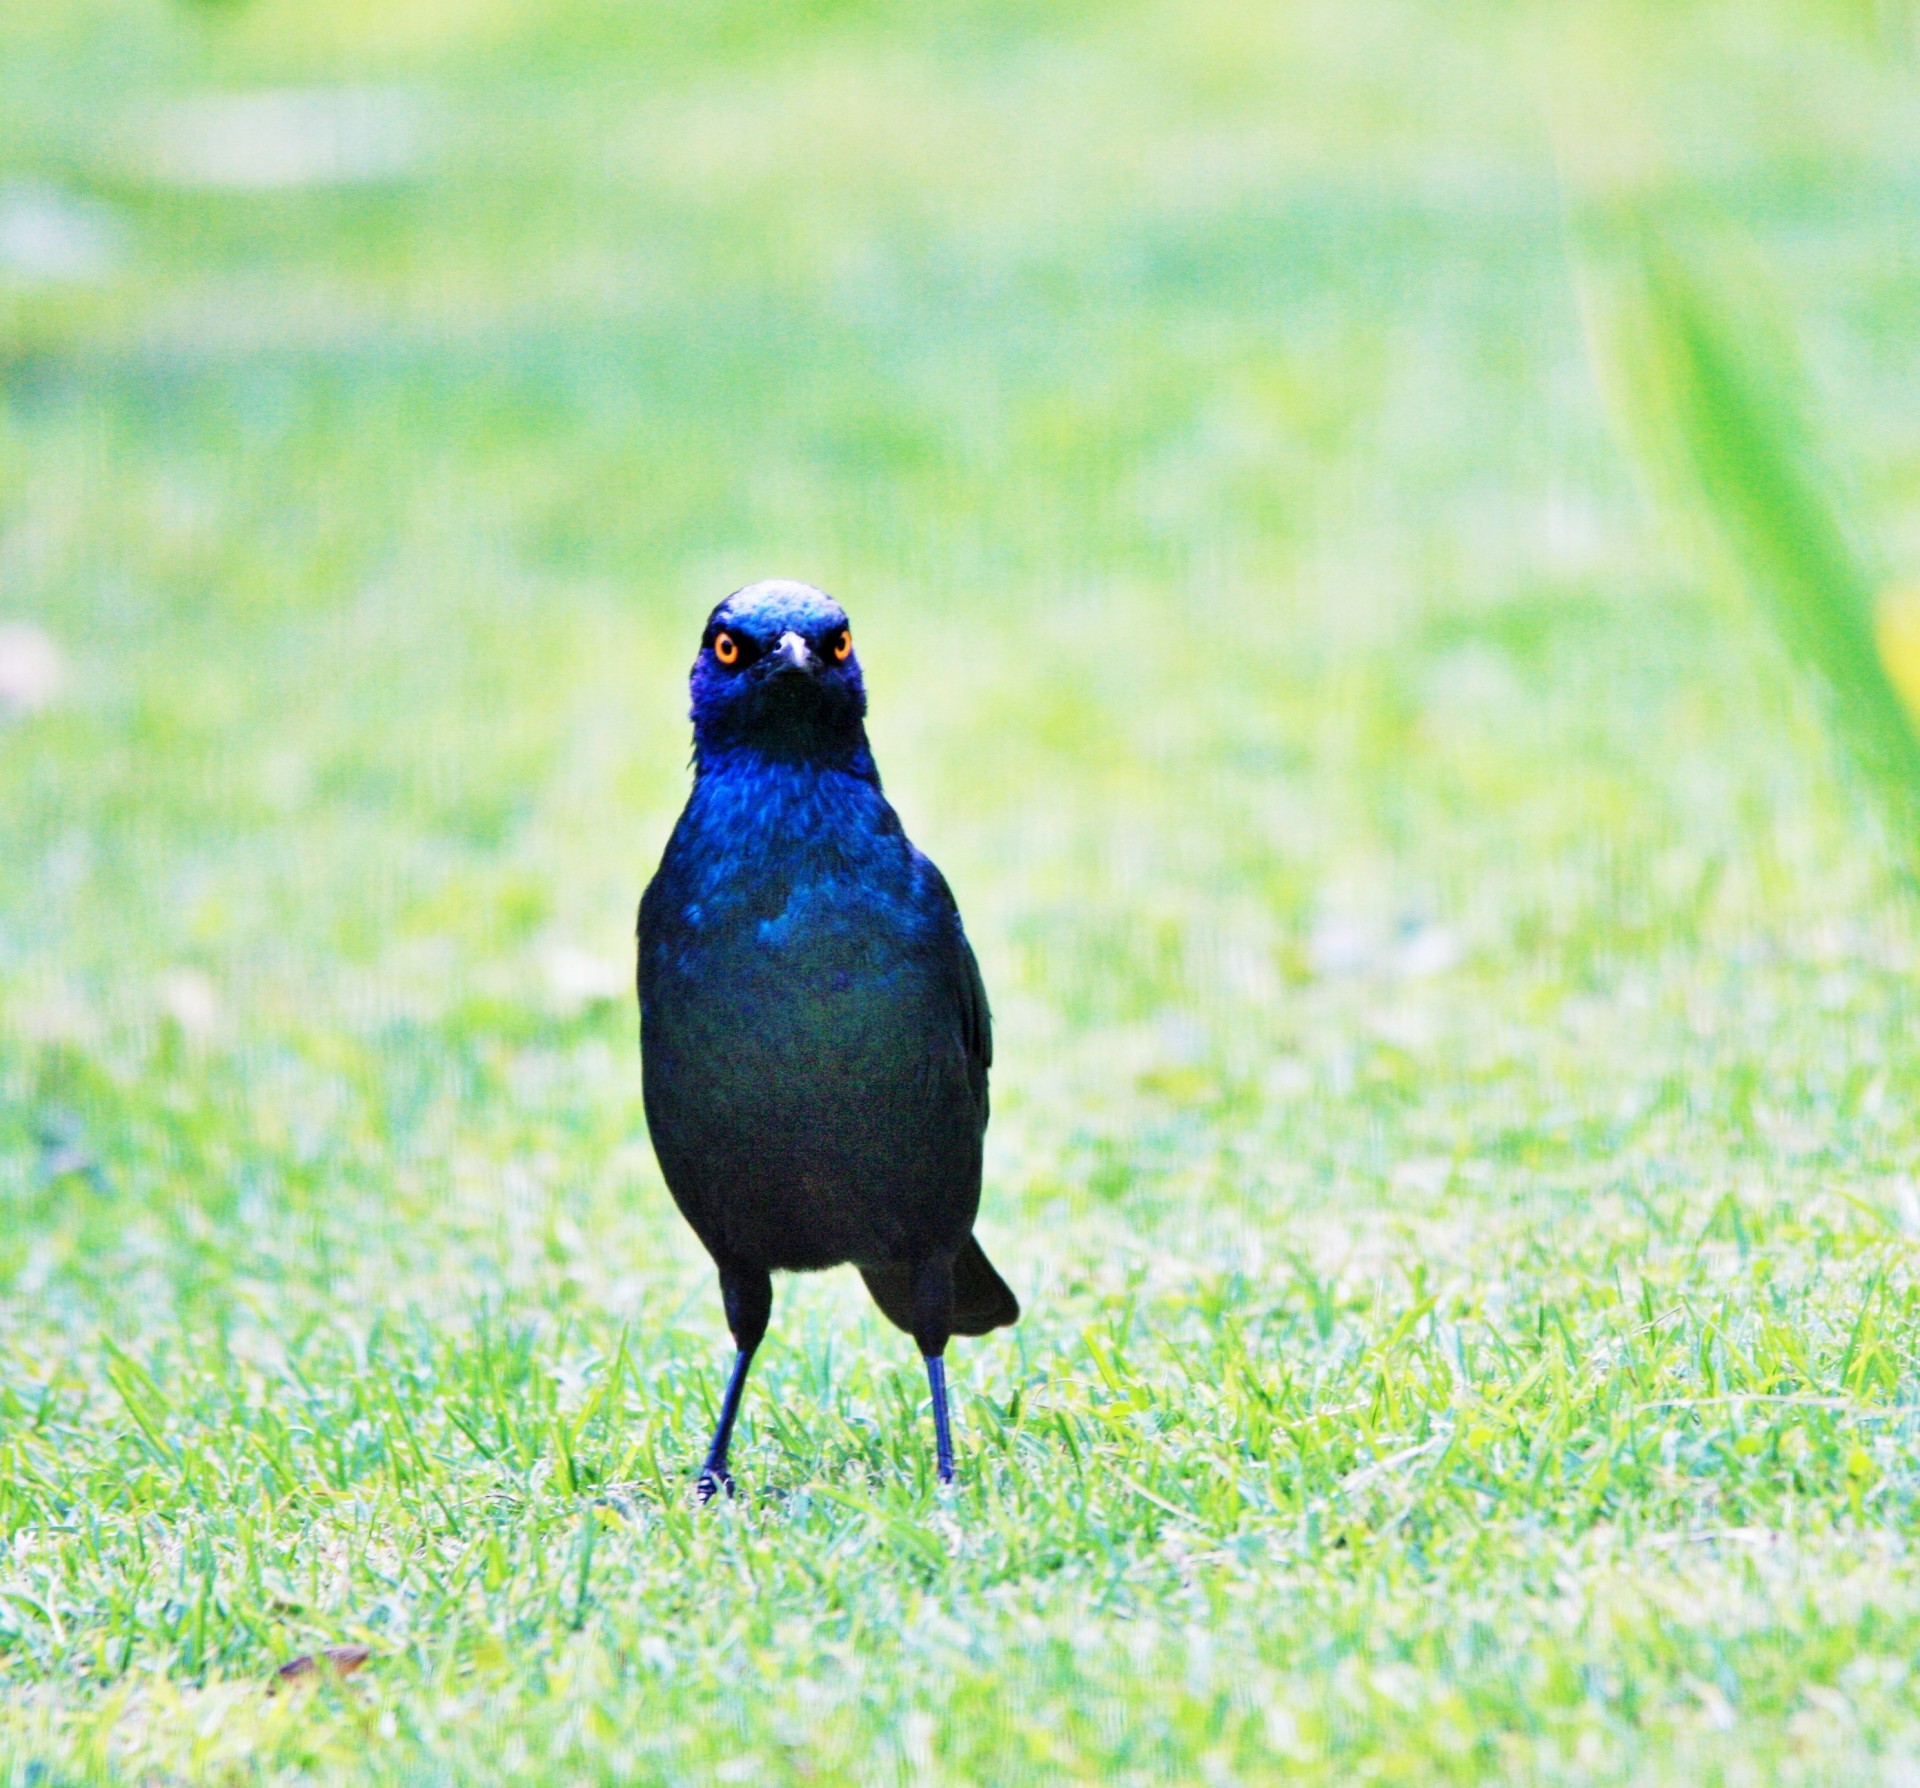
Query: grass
{"points": [[1719, 414], [1453, 1131]]}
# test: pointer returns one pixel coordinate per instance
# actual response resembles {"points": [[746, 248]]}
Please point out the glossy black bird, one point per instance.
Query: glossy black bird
{"points": [[813, 1029]]}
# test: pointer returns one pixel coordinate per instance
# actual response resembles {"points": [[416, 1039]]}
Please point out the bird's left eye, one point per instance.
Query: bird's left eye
{"points": [[843, 645]]}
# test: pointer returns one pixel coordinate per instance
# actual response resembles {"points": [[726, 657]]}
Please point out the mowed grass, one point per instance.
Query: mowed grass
{"points": [[1453, 1119]]}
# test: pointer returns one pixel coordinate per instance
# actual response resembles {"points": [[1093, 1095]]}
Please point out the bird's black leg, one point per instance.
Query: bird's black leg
{"points": [[942, 1430], [748, 1295], [932, 1327]]}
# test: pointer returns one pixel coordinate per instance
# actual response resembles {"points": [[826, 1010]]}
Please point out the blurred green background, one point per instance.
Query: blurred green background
{"points": [[1456, 1010]]}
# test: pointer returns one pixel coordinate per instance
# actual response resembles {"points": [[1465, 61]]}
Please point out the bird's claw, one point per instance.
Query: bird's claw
{"points": [[711, 1482]]}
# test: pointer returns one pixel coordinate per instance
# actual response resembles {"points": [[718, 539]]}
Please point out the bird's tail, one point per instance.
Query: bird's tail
{"points": [[982, 1300]]}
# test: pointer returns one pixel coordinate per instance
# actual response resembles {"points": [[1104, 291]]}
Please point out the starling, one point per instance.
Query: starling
{"points": [[814, 1032]]}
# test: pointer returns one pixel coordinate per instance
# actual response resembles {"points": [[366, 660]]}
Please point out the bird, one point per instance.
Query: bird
{"points": [[815, 1038]]}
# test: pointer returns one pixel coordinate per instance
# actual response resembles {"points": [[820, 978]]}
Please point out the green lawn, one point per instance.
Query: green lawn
{"points": [[1454, 1125]]}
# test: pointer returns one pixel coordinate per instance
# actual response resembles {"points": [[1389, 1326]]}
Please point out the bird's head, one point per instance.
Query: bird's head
{"points": [[777, 673]]}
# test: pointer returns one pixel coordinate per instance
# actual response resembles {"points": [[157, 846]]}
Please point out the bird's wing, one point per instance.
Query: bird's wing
{"points": [[970, 992], [645, 928]]}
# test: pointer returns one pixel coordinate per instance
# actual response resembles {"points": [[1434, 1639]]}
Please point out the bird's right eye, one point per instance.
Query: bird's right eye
{"points": [[726, 648]]}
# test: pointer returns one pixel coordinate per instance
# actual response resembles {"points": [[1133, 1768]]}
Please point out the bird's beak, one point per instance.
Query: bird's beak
{"points": [[791, 655]]}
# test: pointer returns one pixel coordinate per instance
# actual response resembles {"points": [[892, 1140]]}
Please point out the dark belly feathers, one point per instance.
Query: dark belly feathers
{"points": [[813, 1077]]}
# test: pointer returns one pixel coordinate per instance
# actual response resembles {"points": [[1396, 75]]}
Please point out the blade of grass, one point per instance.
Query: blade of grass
{"points": [[1717, 407]]}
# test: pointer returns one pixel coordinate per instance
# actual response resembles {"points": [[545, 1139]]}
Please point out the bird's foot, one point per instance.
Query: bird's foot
{"points": [[711, 1481]]}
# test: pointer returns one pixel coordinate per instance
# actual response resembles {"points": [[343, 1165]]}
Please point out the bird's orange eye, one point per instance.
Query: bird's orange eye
{"points": [[726, 648], [843, 645]]}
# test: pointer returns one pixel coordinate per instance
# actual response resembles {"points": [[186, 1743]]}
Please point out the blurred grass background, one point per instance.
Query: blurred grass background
{"points": [[1457, 1015]]}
